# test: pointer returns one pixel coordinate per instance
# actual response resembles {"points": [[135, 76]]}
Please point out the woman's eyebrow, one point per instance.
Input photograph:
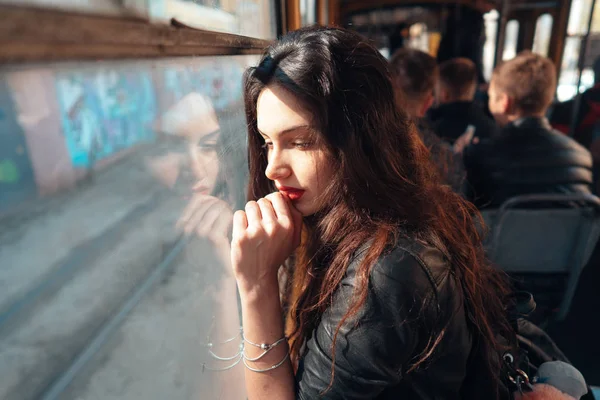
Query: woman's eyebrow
{"points": [[211, 136], [288, 130]]}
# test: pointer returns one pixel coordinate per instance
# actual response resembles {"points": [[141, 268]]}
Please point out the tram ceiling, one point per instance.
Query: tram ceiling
{"points": [[351, 7]]}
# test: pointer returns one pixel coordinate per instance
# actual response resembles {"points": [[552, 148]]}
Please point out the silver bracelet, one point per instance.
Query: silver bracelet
{"points": [[240, 351], [272, 367], [264, 346], [204, 366]]}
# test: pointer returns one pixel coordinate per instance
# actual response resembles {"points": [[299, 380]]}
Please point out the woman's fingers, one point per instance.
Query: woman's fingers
{"points": [[240, 224], [279, 204], [209, 224], [195, 211], [269, 219], [253, 215], [297, 223]]}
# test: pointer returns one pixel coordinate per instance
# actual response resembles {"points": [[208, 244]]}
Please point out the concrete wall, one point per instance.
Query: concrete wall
{"points": [[57, 122]]}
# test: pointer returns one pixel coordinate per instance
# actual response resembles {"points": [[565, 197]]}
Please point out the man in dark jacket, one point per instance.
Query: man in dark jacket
{"points": [[527, 156], [415, 74], [456, 110]]}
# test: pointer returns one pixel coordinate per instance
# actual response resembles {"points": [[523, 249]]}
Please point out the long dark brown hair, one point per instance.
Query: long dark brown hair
{"points": [[383, 186]]}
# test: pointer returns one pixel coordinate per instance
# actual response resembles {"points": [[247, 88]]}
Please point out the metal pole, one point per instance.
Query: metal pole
{"points": [[582, 51], [501, 31]]}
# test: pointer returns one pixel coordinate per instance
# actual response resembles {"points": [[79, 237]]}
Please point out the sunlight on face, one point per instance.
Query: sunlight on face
{"points": [[496, 104], [298, 166]]}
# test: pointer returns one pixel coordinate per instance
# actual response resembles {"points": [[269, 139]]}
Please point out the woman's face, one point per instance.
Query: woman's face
{"points": [[299, 167], [204, 160]]}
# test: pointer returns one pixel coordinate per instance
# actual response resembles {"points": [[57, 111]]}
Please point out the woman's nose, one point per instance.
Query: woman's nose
{"points": [[277, 167]]}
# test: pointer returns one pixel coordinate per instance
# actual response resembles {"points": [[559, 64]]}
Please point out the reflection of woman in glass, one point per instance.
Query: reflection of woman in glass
{"points": [[211, 173], [213, 166], [390, 296]]}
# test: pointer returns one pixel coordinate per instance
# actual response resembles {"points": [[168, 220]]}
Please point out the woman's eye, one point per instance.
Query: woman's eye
{"points": [[267, 145], [207, 147], [302, 145]]}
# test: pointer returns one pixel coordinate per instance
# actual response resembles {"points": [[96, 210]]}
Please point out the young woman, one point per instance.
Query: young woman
{"points": [[389, 294]]}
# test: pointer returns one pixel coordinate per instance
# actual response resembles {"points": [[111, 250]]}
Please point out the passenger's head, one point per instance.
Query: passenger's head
{"points": [[522, 87], [323, 118], [457, 81], [414, 74]]}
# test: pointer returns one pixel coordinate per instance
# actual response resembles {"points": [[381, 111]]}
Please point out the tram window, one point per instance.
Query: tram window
{"points": [[510, 40], [596, 18], [489, 48], [577, 28], [105, 7], [116, 177], [543, 32], [419, 37], [244, 17], [308, 12], [578, 17], [138, 147], [133, 151], [567, 81]]}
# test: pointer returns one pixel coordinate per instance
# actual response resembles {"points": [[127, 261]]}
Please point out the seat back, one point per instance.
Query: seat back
{"points": [[548, 240]]}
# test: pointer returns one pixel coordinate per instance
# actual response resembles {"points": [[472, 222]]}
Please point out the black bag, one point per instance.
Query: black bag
{"points": [[533, 348]]}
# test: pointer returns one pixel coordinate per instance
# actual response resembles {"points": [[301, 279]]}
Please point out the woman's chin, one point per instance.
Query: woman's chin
{"points": [[305, 208]]}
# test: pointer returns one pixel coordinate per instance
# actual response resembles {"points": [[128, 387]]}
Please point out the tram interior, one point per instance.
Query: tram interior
{"points": [[119, 118]]}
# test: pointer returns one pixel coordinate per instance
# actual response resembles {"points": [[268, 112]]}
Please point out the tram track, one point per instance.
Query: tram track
{"points": [[54, 326], [111, 324], [73, 263]]}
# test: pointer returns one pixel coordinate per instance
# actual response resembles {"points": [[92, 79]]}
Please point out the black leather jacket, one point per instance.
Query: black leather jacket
{"points": [[412, 295], [528, 156]]}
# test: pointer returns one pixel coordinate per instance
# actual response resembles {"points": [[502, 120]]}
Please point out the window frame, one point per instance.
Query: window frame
{"points": [[44, 34]]}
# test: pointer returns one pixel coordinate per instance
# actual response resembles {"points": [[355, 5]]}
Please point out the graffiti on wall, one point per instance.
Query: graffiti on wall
{"points": [[17, 181], [219, 81], [104, 112]]}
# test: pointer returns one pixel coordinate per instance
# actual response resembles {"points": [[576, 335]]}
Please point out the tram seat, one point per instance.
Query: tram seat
{"points": [[542, 239]]}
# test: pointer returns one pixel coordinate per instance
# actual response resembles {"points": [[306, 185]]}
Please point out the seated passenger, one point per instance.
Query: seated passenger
{"points": [[391, 296], [456, 110], [527, 156], [415, 74]]}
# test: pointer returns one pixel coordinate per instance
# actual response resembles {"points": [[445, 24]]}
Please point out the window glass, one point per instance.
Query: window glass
{"points": [[489, 48], [510, 40], [117, 184], [254, 18], [567, 80], [543, 32], [419, 37], [579, 16], [308, 12], [107, 7], [596, 18]]}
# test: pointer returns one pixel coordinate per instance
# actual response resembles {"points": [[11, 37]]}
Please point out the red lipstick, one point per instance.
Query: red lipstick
{"points": [[292, 193]]}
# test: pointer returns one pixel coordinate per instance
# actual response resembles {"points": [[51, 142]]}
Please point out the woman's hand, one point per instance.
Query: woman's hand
{"points": [[208, 217], [264, 236]]}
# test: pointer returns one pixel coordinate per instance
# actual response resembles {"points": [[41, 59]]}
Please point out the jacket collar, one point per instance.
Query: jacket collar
{"points": [[531, 123]]}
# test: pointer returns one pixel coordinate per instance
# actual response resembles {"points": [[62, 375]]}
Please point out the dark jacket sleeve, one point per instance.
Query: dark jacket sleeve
{"points": [[372, 349]]}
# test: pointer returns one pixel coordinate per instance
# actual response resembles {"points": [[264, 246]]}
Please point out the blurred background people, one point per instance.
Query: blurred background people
{"points": [[527, 155], [456, 108], [414, 74]]}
